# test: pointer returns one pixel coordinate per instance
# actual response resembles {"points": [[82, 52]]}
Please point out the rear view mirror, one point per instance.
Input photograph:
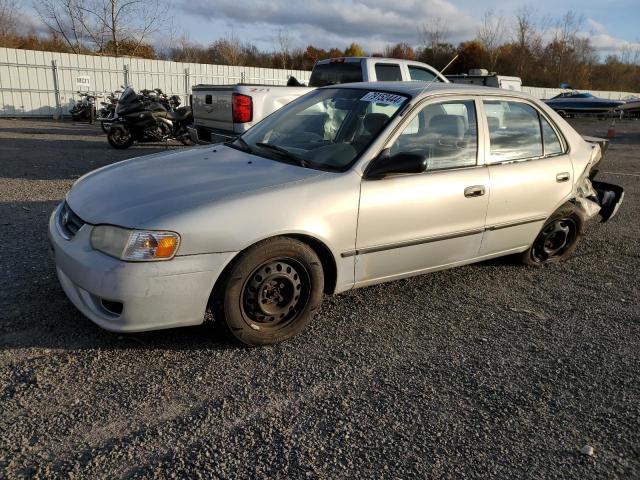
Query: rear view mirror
{"points": [[402, 162], [343, 104]]}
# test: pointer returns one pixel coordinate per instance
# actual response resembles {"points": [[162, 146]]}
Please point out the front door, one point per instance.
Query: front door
{"points": [[409, 224]]}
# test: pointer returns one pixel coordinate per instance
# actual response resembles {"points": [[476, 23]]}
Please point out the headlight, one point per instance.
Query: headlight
{"points": [[135, 245]]}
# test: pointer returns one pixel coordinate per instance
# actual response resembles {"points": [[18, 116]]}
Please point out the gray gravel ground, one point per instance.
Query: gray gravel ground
{"points": [[488, 371]]}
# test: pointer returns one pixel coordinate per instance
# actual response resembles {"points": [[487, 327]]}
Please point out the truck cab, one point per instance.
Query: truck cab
{"points": [[334, 71]]}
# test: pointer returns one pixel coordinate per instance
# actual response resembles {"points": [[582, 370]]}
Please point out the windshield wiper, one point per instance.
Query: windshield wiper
{"points": [[285, 153], [239, 144]]}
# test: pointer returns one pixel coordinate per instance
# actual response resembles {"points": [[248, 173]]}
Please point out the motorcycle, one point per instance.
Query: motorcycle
{"points": [[143, 118], [84, 109], [107, 112]]}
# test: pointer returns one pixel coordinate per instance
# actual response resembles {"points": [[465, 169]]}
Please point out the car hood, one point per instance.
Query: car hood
{"points": [[134, 192]]}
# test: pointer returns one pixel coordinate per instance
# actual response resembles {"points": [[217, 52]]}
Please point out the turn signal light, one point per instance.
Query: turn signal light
{"points": [[166, 247], [241, 108]]}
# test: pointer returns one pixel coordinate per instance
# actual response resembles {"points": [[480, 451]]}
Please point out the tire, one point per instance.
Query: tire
{"points": [[119, 138], [106, 126], [271, 292], [558, 238], [184, 139]]}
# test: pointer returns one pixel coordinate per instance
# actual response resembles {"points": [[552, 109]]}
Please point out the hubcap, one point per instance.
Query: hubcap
{"points": [[554, 239], [275, 293]]}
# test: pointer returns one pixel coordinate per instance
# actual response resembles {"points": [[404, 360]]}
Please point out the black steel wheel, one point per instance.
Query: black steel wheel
{"points": [[270, 292], [275, 293], [558, 238], [554, 239]]}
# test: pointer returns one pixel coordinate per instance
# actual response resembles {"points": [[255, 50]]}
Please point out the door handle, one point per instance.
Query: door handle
{"points": [[474, 191], [562, 177]]}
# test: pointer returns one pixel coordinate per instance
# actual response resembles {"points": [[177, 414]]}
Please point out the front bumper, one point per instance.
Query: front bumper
{"points": [[152, 295]]}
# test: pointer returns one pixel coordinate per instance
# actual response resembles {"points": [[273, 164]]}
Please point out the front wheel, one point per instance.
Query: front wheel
{"points": [[271, 292], [558, 238], [119, 138]]}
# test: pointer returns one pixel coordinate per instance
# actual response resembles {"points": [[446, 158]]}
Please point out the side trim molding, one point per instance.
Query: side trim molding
{"points": [[500, 226], [439, 238], [409, 243]]}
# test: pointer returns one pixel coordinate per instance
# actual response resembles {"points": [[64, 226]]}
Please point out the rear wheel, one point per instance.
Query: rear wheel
{"points": [[558, 238], [119, 138], [271, 292]]}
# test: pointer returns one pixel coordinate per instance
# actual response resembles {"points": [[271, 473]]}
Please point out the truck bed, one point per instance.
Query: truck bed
{"points": [[213, 106]]}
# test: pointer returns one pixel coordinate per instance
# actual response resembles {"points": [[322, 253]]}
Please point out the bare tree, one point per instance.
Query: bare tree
{"points": [[8, 22], [107, 25], [434, 34], [491, 34], [226, 51], [64, 18], [566, 41], [630, 54], [528, 32], [127, 23], [283, 47]]}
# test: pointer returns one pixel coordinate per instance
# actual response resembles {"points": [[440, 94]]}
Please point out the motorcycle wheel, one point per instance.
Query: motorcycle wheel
{"points": [[119, 138], [185, 140], [106, 126]]}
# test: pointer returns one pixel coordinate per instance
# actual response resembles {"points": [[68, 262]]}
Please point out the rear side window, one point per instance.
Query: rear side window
{"points": [[514, 130], [422, 75], [388, 72], [552, 145], [446, 133], [335, 73]]}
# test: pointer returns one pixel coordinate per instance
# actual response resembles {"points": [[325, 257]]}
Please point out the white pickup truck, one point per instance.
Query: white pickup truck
{"points": [[224, 111]]}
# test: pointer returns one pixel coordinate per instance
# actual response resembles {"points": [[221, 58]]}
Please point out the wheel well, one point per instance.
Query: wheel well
{"points": [[326, 257], [324, 254]]}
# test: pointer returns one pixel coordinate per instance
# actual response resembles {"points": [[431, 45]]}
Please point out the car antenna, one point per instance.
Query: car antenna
{"points": [[440, 73]]}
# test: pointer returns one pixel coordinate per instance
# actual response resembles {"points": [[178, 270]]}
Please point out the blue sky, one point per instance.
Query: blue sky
{"points": [[373, 23]]}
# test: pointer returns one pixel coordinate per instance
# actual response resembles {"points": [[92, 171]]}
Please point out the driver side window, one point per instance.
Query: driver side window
{"points": [[446, 133]]}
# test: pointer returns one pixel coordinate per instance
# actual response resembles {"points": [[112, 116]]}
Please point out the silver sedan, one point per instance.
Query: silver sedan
{"points": [[345, 187]]}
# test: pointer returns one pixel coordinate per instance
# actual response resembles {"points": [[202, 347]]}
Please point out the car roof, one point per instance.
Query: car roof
{"points": [[415, 88], [376, 59]]}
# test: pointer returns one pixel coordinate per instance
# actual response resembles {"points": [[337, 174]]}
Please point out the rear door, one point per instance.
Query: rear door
{"points": [[530, 173]]}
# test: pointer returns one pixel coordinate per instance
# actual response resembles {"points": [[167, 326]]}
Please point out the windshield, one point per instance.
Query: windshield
{"points": [[326, 129], [128, 95]]}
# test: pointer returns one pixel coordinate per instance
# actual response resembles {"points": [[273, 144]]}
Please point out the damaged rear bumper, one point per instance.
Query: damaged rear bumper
{"points": [[609, 197]]}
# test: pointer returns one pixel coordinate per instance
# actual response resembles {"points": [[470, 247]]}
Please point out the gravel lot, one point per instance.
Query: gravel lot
{"points": [[488, 371]]}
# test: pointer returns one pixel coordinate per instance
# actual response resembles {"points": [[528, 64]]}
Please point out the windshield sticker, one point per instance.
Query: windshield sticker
{"points": [[384, 98]]}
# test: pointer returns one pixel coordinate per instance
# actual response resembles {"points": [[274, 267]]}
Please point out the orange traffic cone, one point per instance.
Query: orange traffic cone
{"points": [[611, 133]]}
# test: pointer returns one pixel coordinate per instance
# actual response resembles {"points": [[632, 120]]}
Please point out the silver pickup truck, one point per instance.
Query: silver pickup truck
{"points": [[222, 112]]}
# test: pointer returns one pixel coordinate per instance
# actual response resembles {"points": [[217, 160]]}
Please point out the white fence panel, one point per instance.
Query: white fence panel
{"points": [[35, 83]]}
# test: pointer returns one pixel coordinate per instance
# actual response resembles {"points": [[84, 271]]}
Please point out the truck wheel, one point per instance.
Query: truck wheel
{"points": [[558, 238], [119, 138], [271, 292]]}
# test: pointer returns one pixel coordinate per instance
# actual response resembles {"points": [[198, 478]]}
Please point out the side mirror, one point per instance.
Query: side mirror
{"points": [[402, 162]]}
